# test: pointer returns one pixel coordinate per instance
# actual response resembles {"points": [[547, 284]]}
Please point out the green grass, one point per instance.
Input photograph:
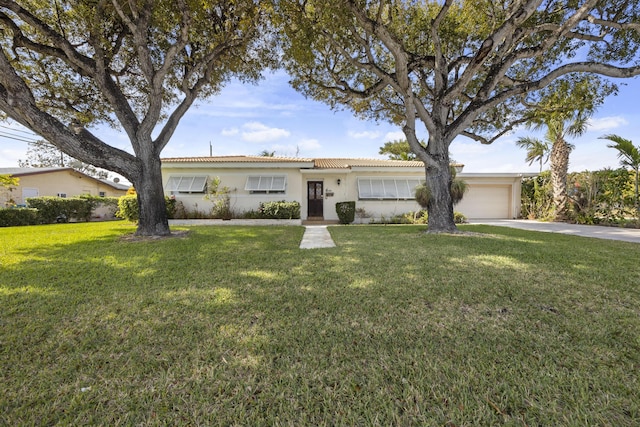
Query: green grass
{"points": [[237, 326]]}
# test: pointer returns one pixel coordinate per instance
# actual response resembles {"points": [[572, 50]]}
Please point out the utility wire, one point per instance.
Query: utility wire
{"points": [[15, 137], [18, 130]]}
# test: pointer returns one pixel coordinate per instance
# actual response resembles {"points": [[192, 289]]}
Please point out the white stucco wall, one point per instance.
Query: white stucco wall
{"points": [[236, 179], [489, 194]]}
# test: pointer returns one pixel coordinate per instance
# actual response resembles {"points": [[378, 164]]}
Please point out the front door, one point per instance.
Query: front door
{"points": [[314, 199]]}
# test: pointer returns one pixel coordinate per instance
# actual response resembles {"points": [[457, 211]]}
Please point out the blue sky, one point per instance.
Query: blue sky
{"points": [[247, 119]]}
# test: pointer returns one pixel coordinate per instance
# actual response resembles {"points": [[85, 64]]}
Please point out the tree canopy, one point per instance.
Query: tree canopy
{"points": [[66, 66], [398, 150], [470, 68]]}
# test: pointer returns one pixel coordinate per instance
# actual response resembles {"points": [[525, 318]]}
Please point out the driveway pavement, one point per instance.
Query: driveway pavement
{"points": [[599, 232]]}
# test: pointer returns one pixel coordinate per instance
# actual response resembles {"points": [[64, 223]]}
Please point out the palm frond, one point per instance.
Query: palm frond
{"points": [[628, 154]]}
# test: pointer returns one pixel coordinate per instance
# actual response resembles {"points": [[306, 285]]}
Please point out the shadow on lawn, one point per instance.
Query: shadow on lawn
{"points": [[238, 323]]}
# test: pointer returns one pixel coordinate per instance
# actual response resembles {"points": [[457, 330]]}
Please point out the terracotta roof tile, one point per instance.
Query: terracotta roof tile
{"points": [[336, 163], [235, 159], [320, 163]]}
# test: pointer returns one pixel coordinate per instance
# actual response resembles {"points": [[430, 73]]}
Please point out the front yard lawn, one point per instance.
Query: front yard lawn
{"points": [[237, 326]]}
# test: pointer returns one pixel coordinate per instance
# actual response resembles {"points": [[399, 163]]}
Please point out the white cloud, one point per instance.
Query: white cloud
{"points": [[309, 144], [9, 157], [364, 134], [606, 123], [229, 132], [258, 132], [395, 136]]}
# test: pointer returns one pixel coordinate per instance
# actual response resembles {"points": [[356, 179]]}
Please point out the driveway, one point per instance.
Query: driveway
{"points": [[599, 232]]}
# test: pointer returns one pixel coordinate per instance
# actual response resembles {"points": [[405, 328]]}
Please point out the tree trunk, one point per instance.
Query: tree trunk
{"points": [[440, 205], [151, 203], [559, 169]]}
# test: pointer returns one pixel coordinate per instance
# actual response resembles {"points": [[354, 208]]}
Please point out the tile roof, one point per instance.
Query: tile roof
{"points": [[319, 163], [337, 163], [235, 159]]}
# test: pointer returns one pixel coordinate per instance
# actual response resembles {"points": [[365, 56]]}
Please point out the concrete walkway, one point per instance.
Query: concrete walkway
{"points": [[316, 236], [598, 232]]}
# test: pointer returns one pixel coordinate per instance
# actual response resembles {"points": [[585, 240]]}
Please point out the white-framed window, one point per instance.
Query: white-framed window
{"points": [[62, 195], [102, 194], [388, 188], [187, 183], [266, 184]]}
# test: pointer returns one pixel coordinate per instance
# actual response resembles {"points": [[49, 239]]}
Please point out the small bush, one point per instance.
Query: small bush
{"points": [[128, 207], [23, 216], [280, 210], [418, 217], [346, 212], [459, 218], [59, 209]]}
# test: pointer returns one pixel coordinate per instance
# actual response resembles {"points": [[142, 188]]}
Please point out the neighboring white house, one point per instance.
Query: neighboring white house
{"points": [[380, 187]]}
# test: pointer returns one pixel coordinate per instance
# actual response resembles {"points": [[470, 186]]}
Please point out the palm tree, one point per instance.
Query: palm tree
{"points": [[629, 156], [537, 150], [559, 128]]}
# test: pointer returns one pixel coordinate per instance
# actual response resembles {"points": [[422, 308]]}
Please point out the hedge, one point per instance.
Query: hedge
{"points": [[18, 216], [280, 210], [128, 207], [58, 209]]}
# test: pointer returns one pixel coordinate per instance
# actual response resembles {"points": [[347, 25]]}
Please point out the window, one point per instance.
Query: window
{"points": [[387, 188], [187, 184], [62, 195], [266, 184], [102, 194]]}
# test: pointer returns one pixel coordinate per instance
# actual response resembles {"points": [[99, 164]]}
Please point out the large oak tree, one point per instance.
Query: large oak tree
{"points": [[66, 65], [467, 67]]}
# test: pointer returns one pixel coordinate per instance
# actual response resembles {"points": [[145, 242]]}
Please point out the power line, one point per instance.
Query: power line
{"points": [[18, 130], [15, 137]]}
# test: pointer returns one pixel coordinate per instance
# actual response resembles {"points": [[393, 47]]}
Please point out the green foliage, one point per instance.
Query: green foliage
{"points": [[59, 209], [600, 197], [76, 64], [128, 207], [398, 150], [23, 216], [346, 212], [458, 189], [220, 196], [537, 197], [280, 210], [459, 218], [629, 156], [418, 217]]}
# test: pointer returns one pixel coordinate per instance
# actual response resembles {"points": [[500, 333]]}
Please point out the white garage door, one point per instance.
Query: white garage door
{"points": [[486, 202]]}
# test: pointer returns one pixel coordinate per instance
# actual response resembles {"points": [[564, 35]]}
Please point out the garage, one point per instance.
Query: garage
{"points": [[486, 201]]}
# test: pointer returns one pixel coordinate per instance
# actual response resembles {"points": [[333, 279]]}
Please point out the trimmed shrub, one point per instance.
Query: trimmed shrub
{"points": [[59, 209], [22, 216], [128, 207], [459, 218], [280, 210], [346, 212], [418, 217]]}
